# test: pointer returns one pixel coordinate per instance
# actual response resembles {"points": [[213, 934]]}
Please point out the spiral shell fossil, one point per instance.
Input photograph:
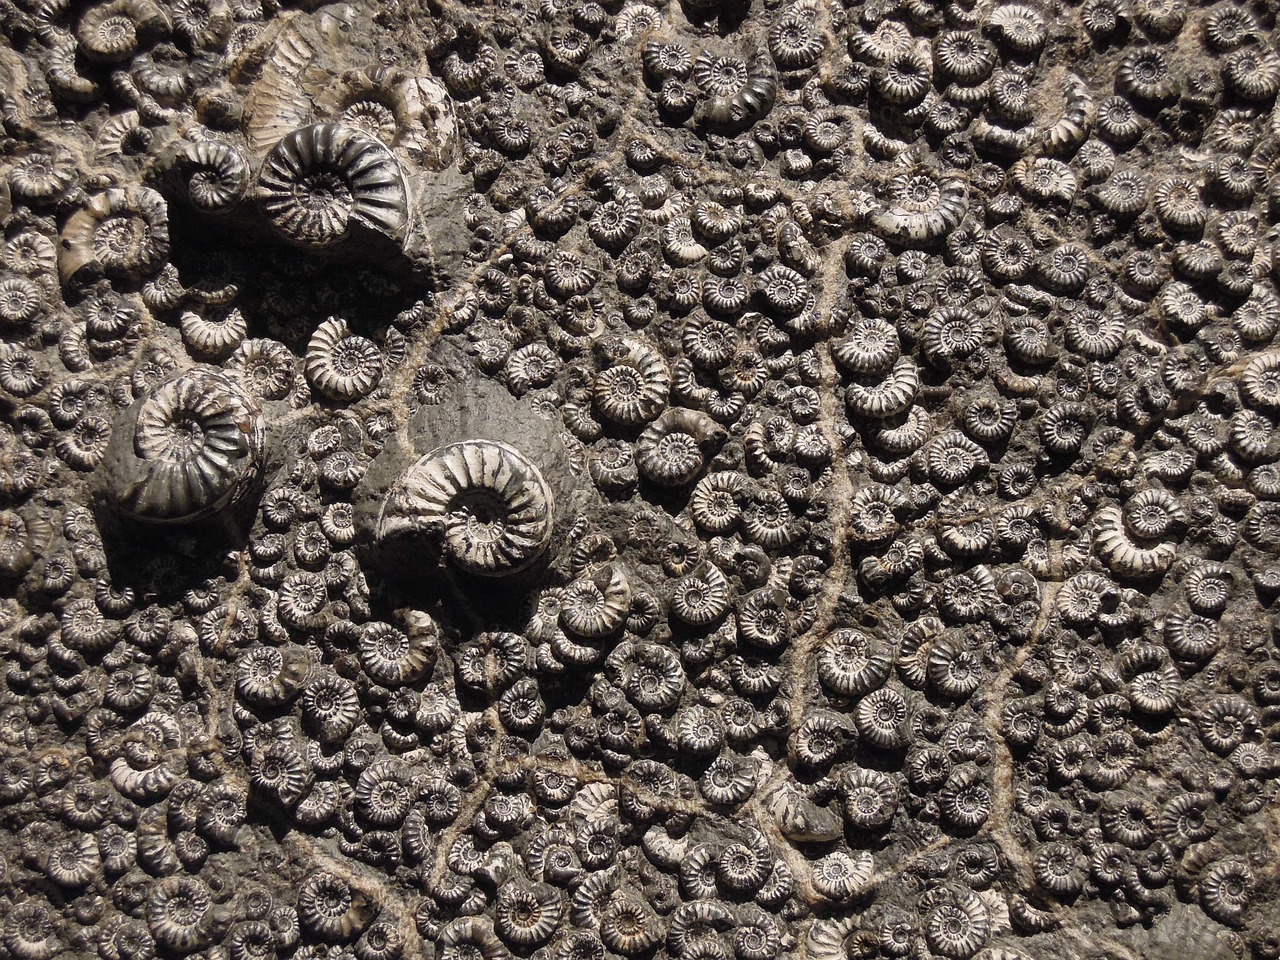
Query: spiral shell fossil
{"points": [[407, 112], [340, 364], [922, 209], [328, 182], [212, 176], [676, 481], [121, 232], [192, 447], [484, 501], [738, 92]]}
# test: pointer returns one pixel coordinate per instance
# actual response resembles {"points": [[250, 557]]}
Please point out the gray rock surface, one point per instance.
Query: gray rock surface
{"points": [[596, 479]]}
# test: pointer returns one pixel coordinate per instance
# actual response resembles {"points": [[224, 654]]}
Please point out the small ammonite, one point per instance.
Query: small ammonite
{"points": [[485, 501]]}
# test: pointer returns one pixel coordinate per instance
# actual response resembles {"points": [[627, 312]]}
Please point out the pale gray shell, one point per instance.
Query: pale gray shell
{"points": [[485, 501], [799, 818], [189, 449], [328, 182], [750, 99], [340, 364], [213, 176], [922, 209], [1123, 555], [419, 113], [122, 232]]}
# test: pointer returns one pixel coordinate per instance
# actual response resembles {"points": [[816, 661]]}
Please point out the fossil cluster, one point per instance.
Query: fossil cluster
{"points": [[584, 479]]}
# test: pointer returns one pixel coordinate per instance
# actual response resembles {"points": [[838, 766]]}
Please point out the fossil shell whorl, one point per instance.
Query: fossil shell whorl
{"points": [[340, 364], [487, 503], [211, 175], [673, 450], [111, 32], [189, 449], [323, 183], [121, 232], [411, 114], [471, 411], [23, 538], [737, 92], [922, 209]]}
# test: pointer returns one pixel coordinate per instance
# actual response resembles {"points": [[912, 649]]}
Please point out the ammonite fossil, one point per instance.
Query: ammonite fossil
{"points": [[211, 175], [922, 209], [323, 183], [737, 92], [485, 502], [122, 232], [190, 448]]}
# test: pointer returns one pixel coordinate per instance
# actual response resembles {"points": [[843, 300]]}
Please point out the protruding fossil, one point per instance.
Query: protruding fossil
{"points": [[922, 209], [485, 501], [799, 818], [340, 364], [324, 183], [410, 113], [673, 449], [122, 232], [738, 93], [189, 449], [213, 176], [753, 480]]}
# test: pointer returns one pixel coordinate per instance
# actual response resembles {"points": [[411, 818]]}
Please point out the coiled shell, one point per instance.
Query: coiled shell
{"points": [[329, 182], [193, 447], [486, 503]]}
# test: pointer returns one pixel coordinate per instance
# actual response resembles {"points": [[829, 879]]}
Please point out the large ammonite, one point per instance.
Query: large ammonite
{"points": [[322, 183], [198, 443], [483, 500]]}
